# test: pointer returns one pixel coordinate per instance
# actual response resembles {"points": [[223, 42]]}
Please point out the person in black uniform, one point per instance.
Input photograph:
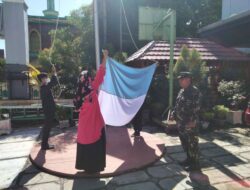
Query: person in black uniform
{"points": [[48, 104], [137, 124]]}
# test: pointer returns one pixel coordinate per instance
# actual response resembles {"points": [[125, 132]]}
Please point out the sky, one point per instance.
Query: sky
{"points": [[36, 7]]}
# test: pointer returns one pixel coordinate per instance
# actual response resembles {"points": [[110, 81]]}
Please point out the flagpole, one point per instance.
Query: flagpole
{"points": [[171, 63], [97, 39]]}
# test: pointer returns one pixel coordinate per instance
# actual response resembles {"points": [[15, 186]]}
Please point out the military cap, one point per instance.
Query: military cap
{"points": [[185, 74]]}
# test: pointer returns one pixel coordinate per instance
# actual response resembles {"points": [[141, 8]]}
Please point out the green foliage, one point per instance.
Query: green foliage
{"points": [[232, 72], [220, 111], [62, 113], [232, 92], [73, 49], [120, 57], [193, 14], [208, 116], [2, 65], [191, 61]]}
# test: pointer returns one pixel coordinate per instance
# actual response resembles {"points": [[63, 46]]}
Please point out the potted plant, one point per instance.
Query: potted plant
{"points": [[5, 124], [220, 113], [206, 118], [233, 94]]}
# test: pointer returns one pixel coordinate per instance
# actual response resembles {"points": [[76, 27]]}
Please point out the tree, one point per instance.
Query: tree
{"points": [[2, 72], [73, 49], [192, 15], [191, 61]]}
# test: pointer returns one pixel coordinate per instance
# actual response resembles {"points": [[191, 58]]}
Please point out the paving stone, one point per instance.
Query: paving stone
{"points": [[86, 184], [164, 160], [208, 164], [217, 176], [207, 145], [29, 134], [158, 171], [31, 179], [245, 155], [222, 143], [43, 186], [9, 170], [130, 178], [168, 170], [140, 186], [168, 184], [242, 170], [174, 149], [184, 183], [178, 156], [212, 152], [229, 160], [202, 140], [237, 149], [15, 150], [230, 186]]}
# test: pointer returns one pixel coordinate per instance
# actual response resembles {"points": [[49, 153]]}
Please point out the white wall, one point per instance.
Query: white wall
{"points": [[16, 31], [233, 7]]}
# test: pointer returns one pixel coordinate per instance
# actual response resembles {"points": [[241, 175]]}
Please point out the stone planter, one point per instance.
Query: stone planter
{"points": [[234, 117], [220, 122], [64, 123], [5, 126]]}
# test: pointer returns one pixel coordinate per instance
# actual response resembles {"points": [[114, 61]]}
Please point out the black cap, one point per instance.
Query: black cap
{"points": [[42, 75], [185, 74]]}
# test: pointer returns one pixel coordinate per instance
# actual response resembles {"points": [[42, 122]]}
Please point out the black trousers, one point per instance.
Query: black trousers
{"points": [[137, 122], [48, 124]]}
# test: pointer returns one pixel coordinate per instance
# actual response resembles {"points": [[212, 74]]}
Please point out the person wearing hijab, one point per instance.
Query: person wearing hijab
{"points": [[91, 140], [83, 89]]}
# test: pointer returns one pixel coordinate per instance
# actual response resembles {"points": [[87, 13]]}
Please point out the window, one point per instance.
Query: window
{"points": [[35, 42], [149, 20]]}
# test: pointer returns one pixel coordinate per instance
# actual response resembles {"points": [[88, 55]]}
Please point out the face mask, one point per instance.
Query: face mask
{"points": [[48, 80]]}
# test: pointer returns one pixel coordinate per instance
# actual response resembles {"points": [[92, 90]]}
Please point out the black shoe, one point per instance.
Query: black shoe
{"points": [[48, 147], [136, 134], [193, 168], [185, 162]]}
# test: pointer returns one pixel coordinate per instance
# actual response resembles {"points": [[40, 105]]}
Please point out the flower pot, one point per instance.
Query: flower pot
{"points": [[205, 125], [234, 117], [5, 126]]}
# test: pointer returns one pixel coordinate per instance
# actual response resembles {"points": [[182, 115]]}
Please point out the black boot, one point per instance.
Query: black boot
{"points": [[194, 167], [136, 134]]}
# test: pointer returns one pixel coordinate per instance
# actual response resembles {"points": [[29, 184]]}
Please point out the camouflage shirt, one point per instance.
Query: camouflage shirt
{"points": [[187, 105]]}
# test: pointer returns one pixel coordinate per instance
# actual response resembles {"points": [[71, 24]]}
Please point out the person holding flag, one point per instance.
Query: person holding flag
{"points": [[91, 140]]}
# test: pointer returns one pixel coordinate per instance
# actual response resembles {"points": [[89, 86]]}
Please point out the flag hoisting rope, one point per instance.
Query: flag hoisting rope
{"points": [[52, 47]]}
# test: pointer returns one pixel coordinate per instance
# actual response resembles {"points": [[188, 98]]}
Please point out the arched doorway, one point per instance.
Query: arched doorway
{"points": [[35, 41]]}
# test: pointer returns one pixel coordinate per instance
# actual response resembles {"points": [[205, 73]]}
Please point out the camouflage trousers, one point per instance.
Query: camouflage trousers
{"points": [[190, 142]]}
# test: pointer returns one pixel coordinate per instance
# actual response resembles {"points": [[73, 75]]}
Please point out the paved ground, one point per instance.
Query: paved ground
{"points": [[14, 150], [225, 157], [123, 153]]}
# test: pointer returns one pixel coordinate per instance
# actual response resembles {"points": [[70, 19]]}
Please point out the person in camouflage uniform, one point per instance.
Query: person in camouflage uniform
{"points": [[186, 114]]}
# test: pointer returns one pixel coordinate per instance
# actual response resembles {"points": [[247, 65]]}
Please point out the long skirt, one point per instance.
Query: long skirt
{"points": [[92, 157]]}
